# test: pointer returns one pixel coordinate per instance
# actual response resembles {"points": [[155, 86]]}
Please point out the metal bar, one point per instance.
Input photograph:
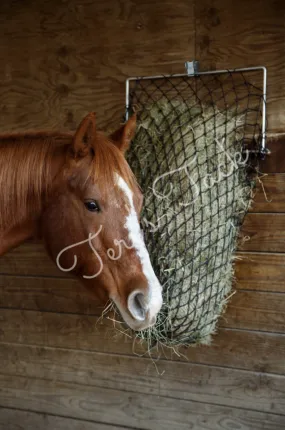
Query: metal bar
{"points": [[263, 131], [209, 72], [127, 99], [263, 148]]}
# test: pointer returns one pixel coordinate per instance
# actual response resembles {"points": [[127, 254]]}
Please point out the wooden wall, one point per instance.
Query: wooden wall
{"points": [[60, 366], [62, 59]]}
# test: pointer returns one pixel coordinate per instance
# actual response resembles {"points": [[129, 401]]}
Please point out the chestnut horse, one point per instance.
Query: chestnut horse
{"points": [[78, 194]]}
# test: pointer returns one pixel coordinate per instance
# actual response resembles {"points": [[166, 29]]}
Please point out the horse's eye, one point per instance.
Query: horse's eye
{"points": [[92, 205]]}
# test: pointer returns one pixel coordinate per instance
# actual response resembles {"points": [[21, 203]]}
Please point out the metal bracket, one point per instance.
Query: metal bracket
{"points": [[192, 68]]}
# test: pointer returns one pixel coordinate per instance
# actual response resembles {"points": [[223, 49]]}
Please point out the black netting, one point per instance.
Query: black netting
{"points": [[194, 155]]}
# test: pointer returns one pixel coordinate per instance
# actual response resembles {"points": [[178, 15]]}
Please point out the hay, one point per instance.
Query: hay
{"points": [[189, 164]]}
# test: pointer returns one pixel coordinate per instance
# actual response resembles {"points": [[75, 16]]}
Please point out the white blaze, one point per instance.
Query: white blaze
{"points": [[136, 238]]}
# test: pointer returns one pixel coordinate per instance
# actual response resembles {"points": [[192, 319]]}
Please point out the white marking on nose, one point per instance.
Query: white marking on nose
{"points": [[136, 238]]}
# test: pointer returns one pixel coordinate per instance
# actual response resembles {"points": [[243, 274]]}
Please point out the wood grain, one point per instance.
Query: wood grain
{"points": [[239, 35], [47, 294], [231, 348], [255, 310], [270, 193], [11, 419], [275, 162], [137, 411], [30, 259], [260, 271], [263, 232], [62, 59], [266, 233], [176, 380]]}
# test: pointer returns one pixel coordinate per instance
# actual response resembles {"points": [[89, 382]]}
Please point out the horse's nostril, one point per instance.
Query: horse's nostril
{"points": [[137, 305], [139, 300]]}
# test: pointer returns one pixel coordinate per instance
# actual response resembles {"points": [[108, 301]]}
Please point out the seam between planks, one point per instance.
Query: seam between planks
{"points": [[74, 418], [145, 357], [98, 316], [136, 392]]}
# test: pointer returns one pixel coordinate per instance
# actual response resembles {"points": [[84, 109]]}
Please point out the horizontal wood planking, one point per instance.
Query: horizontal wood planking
{"points": [[29, 259], [47, 294], [270, 193], [13, 419], [265, 233], [275, 162], [61, 61], [252, 310], [230, 348], [243, 36], [176, 380], [260, 271], [137, 411]]}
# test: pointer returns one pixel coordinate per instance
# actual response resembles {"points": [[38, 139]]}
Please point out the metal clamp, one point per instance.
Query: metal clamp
{"points": [[192, 68]]}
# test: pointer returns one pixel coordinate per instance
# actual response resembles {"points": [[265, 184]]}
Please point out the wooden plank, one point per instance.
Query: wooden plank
{"points": [[241, 36], [30, 259], [275, 162], [61, 61], [47, 294], [270, 193], [13, 419], [120, 408], [260, 271], [252, 270], [254, 310], [241, 349], [265, 232], [176, 380]]}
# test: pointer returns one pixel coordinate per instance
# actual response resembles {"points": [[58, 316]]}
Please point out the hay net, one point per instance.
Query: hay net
{"points": [[190, 156]]}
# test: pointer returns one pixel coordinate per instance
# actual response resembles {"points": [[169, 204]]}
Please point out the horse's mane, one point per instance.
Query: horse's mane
{"points": [[26, 169]]}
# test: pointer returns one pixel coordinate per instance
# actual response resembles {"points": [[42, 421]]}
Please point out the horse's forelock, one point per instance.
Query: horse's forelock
{"points": [[108, 161]]}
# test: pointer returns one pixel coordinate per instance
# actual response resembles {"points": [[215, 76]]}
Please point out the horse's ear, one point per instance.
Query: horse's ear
{"points": [[84, 138], [123, 136]]}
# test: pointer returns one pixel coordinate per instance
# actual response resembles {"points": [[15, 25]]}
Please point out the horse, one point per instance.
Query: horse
{"points": [[77, 193]]}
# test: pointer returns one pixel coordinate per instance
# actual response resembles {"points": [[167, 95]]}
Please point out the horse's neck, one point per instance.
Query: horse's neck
{"points": [[14, 236], [29, 165]]}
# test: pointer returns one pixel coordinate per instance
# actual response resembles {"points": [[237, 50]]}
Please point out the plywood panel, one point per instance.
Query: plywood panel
{"points": [[242, 349], [176, 380], [242, 34], [147, 412], [11, 419], [61, 60]]}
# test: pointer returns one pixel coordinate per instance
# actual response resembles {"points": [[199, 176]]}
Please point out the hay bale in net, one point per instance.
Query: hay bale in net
{"points": [[190, 164]]}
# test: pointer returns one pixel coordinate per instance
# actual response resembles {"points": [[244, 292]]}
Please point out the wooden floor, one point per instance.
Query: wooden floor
{"points": [[62, 368]]}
